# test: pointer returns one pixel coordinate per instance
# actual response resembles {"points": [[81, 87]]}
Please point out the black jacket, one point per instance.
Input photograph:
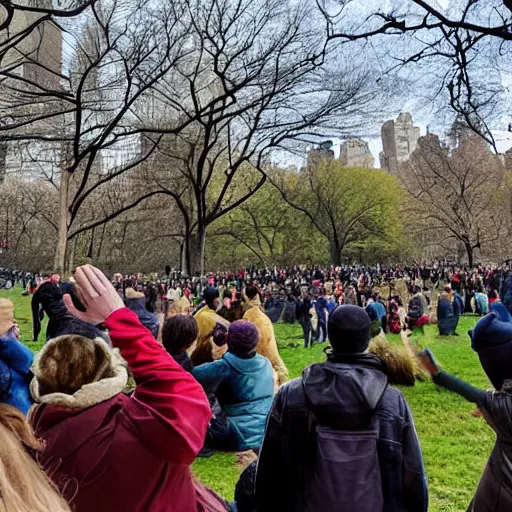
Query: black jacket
{"points": [[48, 299], [341, 395], [494, 492]]}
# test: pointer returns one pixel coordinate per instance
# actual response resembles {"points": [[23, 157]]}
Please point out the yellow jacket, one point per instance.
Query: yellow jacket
{"points": [[206, 319], [267, 345]]}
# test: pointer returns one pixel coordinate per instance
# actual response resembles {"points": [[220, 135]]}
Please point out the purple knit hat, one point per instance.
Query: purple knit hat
{"points": [[243, 338]]}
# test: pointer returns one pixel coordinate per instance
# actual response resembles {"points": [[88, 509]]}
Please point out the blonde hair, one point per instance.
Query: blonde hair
{"points": [[24, 486]]}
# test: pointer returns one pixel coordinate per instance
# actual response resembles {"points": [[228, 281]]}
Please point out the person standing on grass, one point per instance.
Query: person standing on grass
{"points": [[267, 345], [340, 438], [491, 339]]}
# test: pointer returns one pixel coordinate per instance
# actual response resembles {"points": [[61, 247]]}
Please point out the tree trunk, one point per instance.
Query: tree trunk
{"points": [[194, 254], [469, 252], [62, 239], [202, 251], [335, 252], [186, 259], [70, 266]]}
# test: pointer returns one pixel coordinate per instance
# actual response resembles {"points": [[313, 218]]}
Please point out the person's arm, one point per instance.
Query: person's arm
{"points": [[414, 477], [16, 355], [210, 375], [169, 410], [462, 388], [175, 413], [450, 382], [36, 322]]}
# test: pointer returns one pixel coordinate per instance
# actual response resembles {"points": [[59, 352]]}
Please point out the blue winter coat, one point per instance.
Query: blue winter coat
{"points": [[15, 363], [147, 319], [245, 390], [378, 308]]}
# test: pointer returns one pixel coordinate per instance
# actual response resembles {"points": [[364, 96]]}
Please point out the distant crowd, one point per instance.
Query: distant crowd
{"points": [[139, 375]]}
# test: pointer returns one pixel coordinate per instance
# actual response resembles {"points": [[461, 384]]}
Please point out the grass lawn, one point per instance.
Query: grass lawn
{"points": [[455, 445]]}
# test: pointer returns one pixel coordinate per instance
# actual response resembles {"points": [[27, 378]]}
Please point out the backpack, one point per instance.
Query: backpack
{"points": [[341, 467]]}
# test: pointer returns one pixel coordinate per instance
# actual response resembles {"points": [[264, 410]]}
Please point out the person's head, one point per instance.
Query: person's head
{"points": [[242, 339], [491, 339], [6, 316], [25, 486], [179, 334], [251, 292], [68, 363], [349, 330], [448, 289], [209, 296]]}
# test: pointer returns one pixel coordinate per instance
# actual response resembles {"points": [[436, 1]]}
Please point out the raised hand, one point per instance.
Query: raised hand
{"points": [[97, 295], [427, 361]]}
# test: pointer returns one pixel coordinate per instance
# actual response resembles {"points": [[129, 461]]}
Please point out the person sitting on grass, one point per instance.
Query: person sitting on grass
{"points": [[117, 451], [491, 339], [243, 382], [179, 337], [15, 361]]}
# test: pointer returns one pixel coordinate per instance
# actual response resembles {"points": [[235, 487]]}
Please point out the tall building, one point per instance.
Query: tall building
{"points": [[399, 140], [324, 150], [39, 54], [37, 58], [356, 153]]}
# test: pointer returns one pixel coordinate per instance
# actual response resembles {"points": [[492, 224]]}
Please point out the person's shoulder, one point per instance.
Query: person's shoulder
{"points": [[394, 403]]}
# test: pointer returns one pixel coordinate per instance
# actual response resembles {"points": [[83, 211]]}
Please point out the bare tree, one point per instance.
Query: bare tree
{"points": [[95, 108], [456, 189], [258, 83], [463, 50]]}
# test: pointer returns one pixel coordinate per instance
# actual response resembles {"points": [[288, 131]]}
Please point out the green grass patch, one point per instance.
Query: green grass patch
{"points": [[455, 445]]}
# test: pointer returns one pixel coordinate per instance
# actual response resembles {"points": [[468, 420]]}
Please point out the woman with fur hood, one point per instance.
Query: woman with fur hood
{"points": [[104, 449]]}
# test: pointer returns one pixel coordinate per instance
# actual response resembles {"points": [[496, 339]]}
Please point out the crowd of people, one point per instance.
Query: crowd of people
{"points": [[139, 375]]}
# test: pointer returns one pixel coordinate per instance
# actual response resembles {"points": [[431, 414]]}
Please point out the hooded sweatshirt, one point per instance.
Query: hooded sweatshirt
{"points": [[343, 393]]}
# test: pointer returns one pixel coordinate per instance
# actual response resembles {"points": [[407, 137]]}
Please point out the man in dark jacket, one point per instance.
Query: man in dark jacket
{"points": [[48, 299], [343, 396]]}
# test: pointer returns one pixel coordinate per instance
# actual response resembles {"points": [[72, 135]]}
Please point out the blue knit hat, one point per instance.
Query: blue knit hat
{"points": [[491, 339]]}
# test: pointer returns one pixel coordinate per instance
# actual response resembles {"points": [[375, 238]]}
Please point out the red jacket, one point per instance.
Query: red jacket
{"points": [[130, 453]]}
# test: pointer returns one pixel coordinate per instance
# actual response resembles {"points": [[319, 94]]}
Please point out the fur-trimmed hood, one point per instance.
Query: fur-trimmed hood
{"points": [[89, 394]]}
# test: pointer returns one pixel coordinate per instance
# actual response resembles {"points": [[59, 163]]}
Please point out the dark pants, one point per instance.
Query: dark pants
{"points": [[221, 437], [306, 330], [244, 490]]}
